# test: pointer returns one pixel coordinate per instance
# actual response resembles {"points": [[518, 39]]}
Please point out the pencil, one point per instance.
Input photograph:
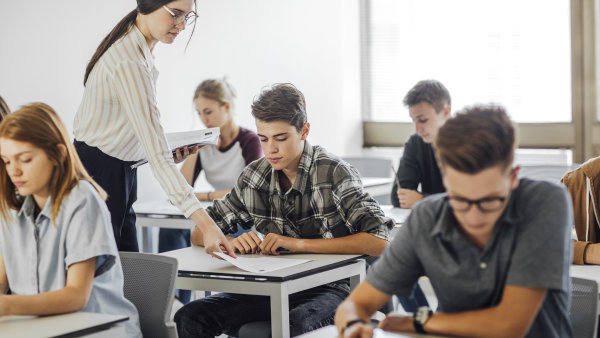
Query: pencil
{"points": [[395, 176]]}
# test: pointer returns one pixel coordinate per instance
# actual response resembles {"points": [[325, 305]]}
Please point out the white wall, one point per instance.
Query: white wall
{"points": [[314, 44]]}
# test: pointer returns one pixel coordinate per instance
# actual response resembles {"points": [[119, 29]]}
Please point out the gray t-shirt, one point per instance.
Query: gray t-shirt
{"points": [[530, 247], [37, 254]]}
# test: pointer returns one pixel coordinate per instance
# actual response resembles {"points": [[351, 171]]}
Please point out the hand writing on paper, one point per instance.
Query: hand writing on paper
{"points": [[394, 322], [272, 242], [246, 243], [181, 153], [358, 330], [408, 197]]}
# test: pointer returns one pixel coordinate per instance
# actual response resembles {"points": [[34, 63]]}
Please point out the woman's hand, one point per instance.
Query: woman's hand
{"points": [[181, 153]]}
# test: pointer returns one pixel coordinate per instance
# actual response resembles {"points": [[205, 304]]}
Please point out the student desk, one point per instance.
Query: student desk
{"points": [[399, 215], [75, 324], [377, 185], [200, 271], [330, 331], [159, 214]]}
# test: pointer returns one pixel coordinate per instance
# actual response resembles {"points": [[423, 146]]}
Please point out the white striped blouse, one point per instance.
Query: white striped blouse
{"points": [[119, 115]]}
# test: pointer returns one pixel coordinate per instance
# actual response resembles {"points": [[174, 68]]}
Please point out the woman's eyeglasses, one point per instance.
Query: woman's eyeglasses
{"points": [[178, 19]]}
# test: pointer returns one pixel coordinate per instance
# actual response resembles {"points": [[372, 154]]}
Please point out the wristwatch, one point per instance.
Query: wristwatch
{"points": [[420, 317]]}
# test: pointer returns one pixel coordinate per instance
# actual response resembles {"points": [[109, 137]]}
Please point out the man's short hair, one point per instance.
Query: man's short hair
{"points": [[281, 102], [430, 91], [475, 139]]}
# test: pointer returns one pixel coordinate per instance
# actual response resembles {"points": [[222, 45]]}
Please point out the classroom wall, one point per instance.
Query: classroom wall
{"points": [[45, 46]]}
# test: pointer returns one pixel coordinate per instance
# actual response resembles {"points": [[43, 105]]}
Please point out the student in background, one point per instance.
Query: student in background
{"points": [[301, 198], [583, 184], [496, 249], [222, 164], [57, 251], [118, 122], [4, 110], [428, 104]]}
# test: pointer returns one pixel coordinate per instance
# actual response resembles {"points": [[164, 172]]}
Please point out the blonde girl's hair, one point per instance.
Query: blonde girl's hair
{"points": [[219, 90], [39, 125]]}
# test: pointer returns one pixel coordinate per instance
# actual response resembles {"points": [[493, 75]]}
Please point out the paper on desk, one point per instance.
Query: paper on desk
{"points": [[379, 333], [261, 264]]}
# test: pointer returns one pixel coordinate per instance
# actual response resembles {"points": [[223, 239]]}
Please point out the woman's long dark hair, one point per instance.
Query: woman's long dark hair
{"points": [[143, 7]]}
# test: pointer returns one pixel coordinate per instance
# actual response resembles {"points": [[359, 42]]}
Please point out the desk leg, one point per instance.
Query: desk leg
{"points": [[280, 312], [146, 239], [355, 280]]}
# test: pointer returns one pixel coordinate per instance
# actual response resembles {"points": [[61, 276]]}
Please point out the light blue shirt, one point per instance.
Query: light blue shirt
{"points": [[37, 254]]}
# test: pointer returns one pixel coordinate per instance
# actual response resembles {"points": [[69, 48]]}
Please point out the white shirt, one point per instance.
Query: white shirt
{"points": [[119, 115], [37, 253]]}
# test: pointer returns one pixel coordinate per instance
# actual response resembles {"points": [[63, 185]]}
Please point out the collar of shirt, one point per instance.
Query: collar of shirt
{"points": [[306, 160], [447, 226], [140, 40], [28, 208]]}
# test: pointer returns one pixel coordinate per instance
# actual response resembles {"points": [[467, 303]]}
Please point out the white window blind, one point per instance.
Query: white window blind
{"points": [[515, 53]]}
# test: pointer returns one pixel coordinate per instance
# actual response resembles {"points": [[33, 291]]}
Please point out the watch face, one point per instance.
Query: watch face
{"points": [[422, 314]]}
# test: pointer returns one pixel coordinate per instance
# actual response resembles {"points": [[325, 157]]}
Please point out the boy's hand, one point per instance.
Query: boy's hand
{"points": [[408, 197], [273, 241], [398, 323], [246, 243]]}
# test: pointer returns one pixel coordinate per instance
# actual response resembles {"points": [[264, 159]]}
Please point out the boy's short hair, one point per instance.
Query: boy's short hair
{"points": [[475, 139], [430, 91], [281, 102]]}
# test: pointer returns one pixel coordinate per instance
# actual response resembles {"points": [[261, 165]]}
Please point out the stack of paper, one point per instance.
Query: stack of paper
{"points": [[261, 264], [188, 138]]}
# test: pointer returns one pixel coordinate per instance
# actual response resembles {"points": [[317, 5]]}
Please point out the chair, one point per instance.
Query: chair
{"points": [[373, 167], [149, 285], [551, 173], [584, 307]]}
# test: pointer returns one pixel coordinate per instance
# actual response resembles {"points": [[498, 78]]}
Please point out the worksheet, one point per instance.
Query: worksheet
{"points": [[260, 264]]}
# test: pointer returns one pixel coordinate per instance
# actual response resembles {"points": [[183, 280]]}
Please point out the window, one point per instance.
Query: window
{"points": [[515, 53]]}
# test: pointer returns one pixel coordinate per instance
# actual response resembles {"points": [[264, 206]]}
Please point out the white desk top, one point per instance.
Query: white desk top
{"points": [[161, 209], [374, 181], [50, 326], [330, 331], [195, 262], [399, 215]]}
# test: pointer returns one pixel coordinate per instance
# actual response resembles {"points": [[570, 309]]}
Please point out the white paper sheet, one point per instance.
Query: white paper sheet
{"points": [[261, 264]]}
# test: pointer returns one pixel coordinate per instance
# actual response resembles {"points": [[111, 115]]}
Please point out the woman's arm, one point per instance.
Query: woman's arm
{"points": [[3, 277], [187, 169], [73, 297]]}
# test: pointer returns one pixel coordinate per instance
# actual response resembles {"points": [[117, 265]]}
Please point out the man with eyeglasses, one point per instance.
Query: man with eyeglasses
{"points": [[496, 249]]}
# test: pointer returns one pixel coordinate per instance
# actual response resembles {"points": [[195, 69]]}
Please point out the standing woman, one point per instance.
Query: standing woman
{"points": [[118, 121]]}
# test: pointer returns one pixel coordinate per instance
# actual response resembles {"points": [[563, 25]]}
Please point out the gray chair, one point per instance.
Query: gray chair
{"points": [[150, 286], [373, 167], [584, 307]]}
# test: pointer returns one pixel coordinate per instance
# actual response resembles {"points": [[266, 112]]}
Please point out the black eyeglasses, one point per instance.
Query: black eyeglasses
{"points": [[178, 19], [486, 204]]}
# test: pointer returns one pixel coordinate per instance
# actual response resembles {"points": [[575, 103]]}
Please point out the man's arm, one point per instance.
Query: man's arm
{"points": [[360, 243], [511, 318], [360, 305], [409, 172]]}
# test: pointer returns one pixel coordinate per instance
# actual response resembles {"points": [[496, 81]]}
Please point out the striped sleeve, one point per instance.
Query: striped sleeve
{"points": [[135, 90]]}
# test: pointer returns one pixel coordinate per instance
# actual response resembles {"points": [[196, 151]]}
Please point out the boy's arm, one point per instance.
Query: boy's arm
{"points": [[512, 317], [409, 172], [358, 309], [361, 243], [73, 297]]}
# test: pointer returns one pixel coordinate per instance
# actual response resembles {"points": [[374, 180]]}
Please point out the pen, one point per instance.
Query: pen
{"points": [[261, 236], [395, 176]]}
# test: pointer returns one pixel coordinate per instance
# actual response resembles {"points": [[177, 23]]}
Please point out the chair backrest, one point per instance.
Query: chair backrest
{"points": [[545, 172], [584, 307], [371, 166], [150, 286]]}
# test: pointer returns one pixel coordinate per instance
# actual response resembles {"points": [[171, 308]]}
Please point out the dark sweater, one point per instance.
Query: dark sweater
{"points": [[418, 165]]}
